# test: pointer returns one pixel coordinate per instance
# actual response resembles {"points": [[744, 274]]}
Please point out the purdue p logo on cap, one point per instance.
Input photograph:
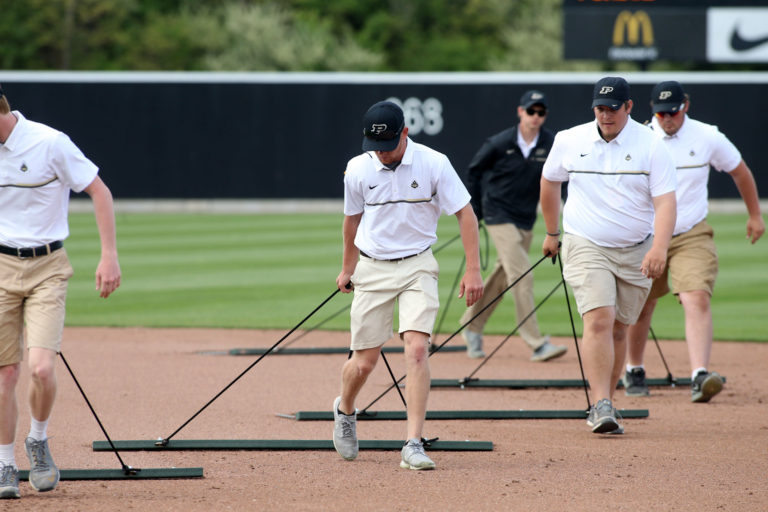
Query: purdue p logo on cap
{"points": [[606, 90]]}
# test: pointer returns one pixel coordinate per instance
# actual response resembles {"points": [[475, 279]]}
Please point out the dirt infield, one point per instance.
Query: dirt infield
{"points": [[145, 383]]}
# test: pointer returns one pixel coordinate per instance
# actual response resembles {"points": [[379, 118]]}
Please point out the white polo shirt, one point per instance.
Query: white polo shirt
{"points": [[401, 208], [38, 167], [611, 185], [694, 148]]}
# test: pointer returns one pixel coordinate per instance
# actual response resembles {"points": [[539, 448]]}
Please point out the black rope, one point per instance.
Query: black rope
{"points": [[573, 329], [397, 382], [164, 442], [450, 298], [529, 315], [127, 470], [670, 378], [391, 374], [315, 327]]}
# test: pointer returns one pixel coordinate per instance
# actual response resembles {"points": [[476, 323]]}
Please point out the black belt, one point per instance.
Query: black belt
{"points": [[32, 252], [393, 259]]}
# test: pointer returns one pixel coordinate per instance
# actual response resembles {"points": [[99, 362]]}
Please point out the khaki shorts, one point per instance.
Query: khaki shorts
{"points": [[412, 283], [606, 276], [33, 294], [691, 263]]}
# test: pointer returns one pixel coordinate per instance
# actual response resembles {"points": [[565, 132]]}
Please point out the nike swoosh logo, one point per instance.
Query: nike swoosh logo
{"points": [[583, 154], [740, 44], [372, 186]]}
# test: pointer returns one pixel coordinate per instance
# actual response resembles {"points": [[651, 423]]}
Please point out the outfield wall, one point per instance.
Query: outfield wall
{"points": [[289, 135]]}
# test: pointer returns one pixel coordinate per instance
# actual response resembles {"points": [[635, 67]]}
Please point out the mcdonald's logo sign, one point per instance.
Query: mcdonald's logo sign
{"points": [[632, 25], [633, 37]]}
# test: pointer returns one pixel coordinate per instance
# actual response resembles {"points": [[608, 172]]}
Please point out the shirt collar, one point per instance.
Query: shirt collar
{"points": [[407, 157], [16, 133], [657, 127], [620, 139], [521, 141]]}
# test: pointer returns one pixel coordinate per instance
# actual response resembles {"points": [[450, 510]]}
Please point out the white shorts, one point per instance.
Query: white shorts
{"points": [[411, 282]]}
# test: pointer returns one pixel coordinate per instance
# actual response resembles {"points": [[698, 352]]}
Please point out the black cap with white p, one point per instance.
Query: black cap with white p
{"points": [[667, 97], [611, 91], [382, 125]]}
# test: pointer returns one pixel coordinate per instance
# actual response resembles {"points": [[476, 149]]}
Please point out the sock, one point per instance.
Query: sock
{"points": [[6, 455], [630, 367], [38, 430], [698, 371]]}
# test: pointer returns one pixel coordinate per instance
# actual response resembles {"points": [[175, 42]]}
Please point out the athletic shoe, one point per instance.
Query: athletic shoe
{"points": [[634, 383], [414, 456], [474, 342], [602, 417], [706, 385], [43, 473], [9, 482], [548, 351], [344, 432], [620, 429]]}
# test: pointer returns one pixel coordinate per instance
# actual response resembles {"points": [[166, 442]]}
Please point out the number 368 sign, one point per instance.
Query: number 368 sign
{"points": [[421, 116]]}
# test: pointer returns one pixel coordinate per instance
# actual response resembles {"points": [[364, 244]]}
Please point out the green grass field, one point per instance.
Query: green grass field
{"points": [[270, 271]]}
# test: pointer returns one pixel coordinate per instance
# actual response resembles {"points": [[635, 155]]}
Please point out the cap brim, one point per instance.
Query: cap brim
{"points": [[605, 102], [534, 102], [665, 107], [370, 144]]}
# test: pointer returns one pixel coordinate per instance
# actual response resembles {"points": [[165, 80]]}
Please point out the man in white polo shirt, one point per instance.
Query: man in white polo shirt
{"points": [[394, 194], [619, 173], [692, 261], [38, 168]]}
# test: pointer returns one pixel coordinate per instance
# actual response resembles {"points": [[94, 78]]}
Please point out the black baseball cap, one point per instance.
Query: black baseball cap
{"points": [[533, 97], [667, 97], [611, 91], [382, 126]]}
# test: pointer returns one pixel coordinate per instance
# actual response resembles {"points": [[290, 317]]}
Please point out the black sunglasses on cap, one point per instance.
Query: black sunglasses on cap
{"points": [[541, 112]]}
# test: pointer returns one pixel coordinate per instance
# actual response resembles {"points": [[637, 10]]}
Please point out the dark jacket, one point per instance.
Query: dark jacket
{"points": [[504, 185]]}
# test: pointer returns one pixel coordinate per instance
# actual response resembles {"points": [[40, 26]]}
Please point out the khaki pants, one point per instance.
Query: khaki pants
{"points": [[512, 246]]}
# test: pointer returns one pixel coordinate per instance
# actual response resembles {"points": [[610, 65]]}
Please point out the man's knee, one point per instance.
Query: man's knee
{"points": [[416, 346], [9, 377], [42, 364]]}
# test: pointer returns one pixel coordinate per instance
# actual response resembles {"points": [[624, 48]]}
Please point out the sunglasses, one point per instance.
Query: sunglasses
{"points": [[541, 112], [661, 115]]}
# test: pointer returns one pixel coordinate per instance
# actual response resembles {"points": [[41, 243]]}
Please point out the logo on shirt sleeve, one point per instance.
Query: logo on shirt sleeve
{"points": [[23, 167], [414, 184]]}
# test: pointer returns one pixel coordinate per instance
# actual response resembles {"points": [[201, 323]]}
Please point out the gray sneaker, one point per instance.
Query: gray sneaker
{"points": [[43, 473], [548, 351], [706, 385], [634, 383], [474, 342], [414, 456], [9, 482], [602, 417], [344, 432]]}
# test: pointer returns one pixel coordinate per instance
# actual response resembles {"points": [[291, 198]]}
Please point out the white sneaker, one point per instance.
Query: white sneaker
{"points": [[344, 432], [548, 351], [474, 342], [414, 456]]}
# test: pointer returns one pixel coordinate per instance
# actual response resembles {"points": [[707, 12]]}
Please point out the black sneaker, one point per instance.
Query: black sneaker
{"points": [[634, 383], [706, 385]]}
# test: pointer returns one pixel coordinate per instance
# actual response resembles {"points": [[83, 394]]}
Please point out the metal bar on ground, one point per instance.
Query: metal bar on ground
{"points": [[324, 350], [520, 414], [281, 444], [540, 383], [119, 474]]}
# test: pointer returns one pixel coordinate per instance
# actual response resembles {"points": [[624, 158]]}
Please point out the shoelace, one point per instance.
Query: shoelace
{"points": [[6, 474], [38, 456], [346, 427]]}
